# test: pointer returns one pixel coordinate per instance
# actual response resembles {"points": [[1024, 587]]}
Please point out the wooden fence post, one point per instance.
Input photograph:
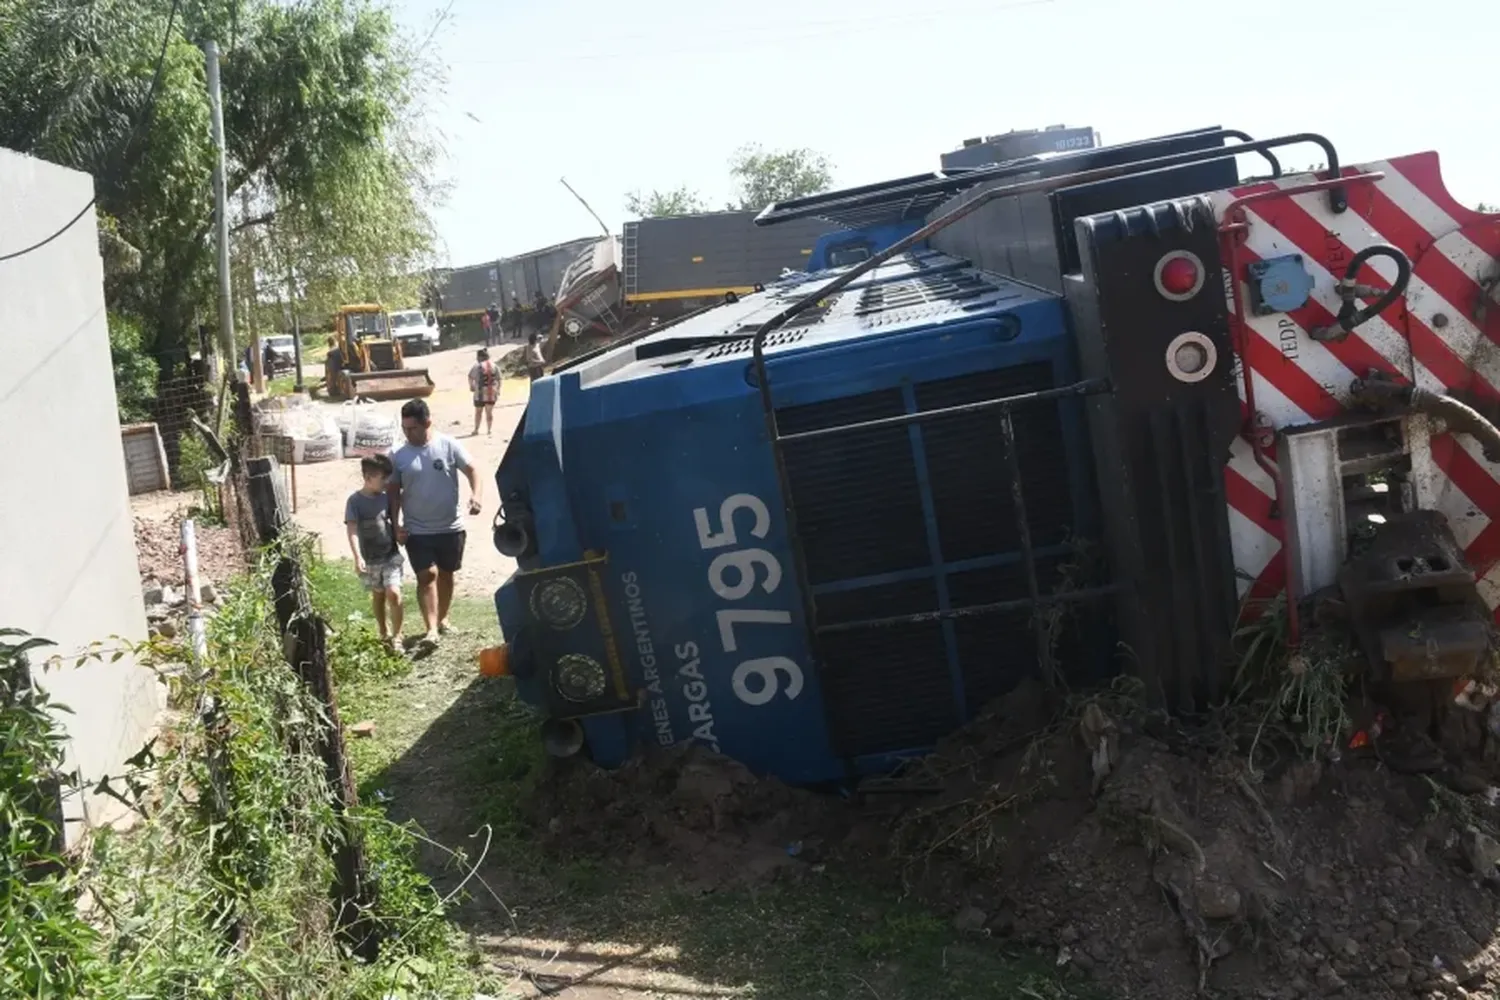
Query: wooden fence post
{"points": [[304, 638]]}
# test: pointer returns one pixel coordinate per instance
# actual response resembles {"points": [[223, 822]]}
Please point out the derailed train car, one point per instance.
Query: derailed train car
{"points": [[820, 526], [468, 291]]}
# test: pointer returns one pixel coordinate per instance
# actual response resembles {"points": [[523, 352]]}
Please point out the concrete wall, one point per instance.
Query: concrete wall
{"points": [[68, 567]]}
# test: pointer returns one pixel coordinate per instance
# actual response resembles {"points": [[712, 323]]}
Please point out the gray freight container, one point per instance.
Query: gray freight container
{"points": [[702, 256], [468, 291]]}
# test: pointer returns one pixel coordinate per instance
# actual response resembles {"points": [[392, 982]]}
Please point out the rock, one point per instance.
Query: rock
{"points": [[1482, 852], [208, 594], [154, 595], [1399, 958], [1384, 932], [1217, 901], [1408, 928], [363, 730], [1344, 946], [1068, 935], [1398, 978], [1328, 979], [171, 598], [1468, 783], [166, 629], [970, 920]]}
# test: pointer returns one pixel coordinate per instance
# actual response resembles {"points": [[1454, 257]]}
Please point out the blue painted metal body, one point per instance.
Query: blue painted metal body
{"points": [[847, 247], [654, 458]]}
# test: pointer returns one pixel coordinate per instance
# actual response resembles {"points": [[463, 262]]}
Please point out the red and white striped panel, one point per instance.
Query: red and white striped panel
{"points": [[1444, 335]]}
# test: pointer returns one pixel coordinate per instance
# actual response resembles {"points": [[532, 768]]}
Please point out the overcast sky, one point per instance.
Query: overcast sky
{"points": [[656, 93]]}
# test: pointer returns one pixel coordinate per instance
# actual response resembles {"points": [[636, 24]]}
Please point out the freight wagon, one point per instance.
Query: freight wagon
{"points": [[675, 264], [468, 291]]}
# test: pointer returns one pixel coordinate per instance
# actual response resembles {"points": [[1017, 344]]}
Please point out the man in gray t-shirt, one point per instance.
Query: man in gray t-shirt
{"points": [[424, 498]]}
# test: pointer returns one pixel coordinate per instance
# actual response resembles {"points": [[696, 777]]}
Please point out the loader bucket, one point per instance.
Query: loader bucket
{"points": [[404, 383]]}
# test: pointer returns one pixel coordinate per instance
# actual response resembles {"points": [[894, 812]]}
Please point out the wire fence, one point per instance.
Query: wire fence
{"points": [[169, 389]]}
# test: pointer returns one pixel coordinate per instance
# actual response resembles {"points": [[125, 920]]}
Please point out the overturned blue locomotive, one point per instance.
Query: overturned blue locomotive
{"points": [[819, 526]]}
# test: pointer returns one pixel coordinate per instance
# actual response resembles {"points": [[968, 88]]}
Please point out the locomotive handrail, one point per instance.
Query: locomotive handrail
{"points": [[1039, 185], [872, 194]]}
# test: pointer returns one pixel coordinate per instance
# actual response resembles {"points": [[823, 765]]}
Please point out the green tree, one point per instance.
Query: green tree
{"points": [[680, 200], [323, 128], [763, 177], [135, 369]]}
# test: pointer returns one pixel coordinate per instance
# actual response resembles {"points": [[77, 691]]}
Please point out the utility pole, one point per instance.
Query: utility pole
{"points": [[221, 211], [258, 372], [291, 301]]}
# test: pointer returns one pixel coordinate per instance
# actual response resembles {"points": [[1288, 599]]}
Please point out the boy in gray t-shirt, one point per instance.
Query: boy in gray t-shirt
{"points": [[372, 541]]}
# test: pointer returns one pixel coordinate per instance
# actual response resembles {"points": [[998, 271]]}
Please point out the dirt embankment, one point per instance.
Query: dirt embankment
{"points": [[1147, 858]]}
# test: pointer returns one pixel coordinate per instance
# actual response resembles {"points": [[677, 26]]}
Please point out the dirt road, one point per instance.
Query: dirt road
{"points": [[323, 488]]}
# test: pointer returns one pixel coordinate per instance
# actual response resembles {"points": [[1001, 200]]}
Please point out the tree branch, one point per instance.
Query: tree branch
{"points": [[259, 220]]}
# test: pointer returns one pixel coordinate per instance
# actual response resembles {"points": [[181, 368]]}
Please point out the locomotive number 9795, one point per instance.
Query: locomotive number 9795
{"points": [[735, 574]]}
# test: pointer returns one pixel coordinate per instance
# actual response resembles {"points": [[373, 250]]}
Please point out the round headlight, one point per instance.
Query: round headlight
{"points": [[580, 678], [560, 603]]}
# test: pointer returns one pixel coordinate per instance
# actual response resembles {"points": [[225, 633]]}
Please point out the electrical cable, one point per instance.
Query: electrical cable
{"points": [[145, 116]]}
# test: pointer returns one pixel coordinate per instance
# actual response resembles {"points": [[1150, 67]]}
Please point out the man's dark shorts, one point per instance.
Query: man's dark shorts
{"points": [[445, 551]]}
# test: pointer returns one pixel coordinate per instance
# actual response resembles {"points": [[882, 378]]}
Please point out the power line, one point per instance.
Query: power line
{"points": [[144, 117]]}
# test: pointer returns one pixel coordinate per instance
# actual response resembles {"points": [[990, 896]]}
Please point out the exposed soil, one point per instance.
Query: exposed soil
{"points": [[1139, 856], [158, 543], [702, 816]]}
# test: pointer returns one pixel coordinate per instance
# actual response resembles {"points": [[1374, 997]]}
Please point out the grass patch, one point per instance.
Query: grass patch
{"points": [[282, 385], [222, 888]]}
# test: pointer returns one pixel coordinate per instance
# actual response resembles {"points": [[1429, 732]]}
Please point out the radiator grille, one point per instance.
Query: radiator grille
{"points": [[860, 514]]}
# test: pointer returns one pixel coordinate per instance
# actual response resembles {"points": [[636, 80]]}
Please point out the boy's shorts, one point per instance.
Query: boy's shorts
{"points": [[379, 576]]}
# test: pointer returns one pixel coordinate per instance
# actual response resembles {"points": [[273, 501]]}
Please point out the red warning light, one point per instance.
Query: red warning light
{"points": [[1179, 275]]}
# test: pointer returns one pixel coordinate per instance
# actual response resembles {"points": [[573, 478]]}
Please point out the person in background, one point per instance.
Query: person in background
{"points": [[372, 542], [518, 316], [484, 383], [424, 503], [488, 326], [536, 364], [492, 330]]}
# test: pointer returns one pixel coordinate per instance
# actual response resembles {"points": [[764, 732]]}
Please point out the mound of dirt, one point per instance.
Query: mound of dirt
{"points": [[704, 816], [1137, 857]]}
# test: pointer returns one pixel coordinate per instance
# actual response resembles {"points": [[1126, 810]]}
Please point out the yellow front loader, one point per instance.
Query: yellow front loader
{"points": [[365, 362]]}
